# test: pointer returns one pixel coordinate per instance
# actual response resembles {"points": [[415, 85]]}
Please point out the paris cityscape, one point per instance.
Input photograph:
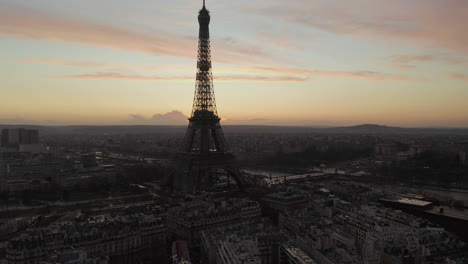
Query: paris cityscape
{"points": [[293, 164]]}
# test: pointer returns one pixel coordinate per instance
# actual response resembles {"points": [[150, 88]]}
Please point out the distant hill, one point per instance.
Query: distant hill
{"points": [[237, 129], [379, 129]]}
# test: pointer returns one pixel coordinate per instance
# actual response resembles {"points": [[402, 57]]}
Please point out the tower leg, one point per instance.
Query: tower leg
{"points": [[237, 175]]}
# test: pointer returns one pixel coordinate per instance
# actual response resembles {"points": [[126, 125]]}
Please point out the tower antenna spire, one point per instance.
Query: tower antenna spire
{"points": [[203, 3]]}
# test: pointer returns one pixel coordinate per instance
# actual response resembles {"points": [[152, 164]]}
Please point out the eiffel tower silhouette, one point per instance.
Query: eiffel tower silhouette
{"points": [[204, 151]]}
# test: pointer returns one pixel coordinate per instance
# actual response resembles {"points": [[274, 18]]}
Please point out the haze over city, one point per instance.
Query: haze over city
{"points": [[306, 63], [340, 133]]}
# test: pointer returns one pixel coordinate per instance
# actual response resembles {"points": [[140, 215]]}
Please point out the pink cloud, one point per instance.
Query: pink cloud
{"points": [[425, 23], [119, 76], [174, 117], [405, 61], [360, 75], [65, 62], [19, 22], [460, 77]]}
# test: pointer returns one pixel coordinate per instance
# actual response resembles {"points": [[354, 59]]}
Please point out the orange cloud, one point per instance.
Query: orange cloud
{"points": [[360, 75]]}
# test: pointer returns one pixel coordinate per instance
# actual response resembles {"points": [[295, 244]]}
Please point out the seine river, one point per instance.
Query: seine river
{"points": [[440, 194]]}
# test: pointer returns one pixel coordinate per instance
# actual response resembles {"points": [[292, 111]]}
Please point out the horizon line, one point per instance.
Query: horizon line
{"points": [[245, 125]]}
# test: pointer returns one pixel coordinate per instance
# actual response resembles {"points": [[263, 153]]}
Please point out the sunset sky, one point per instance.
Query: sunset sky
{"points": [[275, 62]]}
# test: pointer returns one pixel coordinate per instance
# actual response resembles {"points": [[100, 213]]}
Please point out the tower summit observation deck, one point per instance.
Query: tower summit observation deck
{"points": [[204, 151]]}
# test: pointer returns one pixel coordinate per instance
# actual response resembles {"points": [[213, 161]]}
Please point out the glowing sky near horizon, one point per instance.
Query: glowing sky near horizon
{"points": [[297, 62]]}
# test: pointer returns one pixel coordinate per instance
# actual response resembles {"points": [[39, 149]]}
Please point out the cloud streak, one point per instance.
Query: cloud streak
{"points": [[425, 23], [406, 61], [257, 74], [358, 75], [134, 77], [460, 77], [119, 76], [113, 71], [65, 62], [24, 23]]}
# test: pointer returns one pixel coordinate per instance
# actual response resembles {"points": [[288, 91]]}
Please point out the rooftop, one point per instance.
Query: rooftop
{"points": [[284, 196], [449, 212], [407, 201], [299, 255]]}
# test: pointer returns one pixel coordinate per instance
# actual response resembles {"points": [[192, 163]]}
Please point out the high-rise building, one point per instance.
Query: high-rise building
{"points": [[204, 149], [20, 139], [387, 152], [19, 136], [464, 157]]}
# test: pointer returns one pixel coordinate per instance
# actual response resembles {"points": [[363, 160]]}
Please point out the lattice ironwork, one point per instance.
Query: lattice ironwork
{"points": [[204, 133], [204, 149]]}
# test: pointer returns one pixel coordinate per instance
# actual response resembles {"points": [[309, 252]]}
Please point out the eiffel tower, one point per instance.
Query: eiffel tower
{"points": [[205, 151]]}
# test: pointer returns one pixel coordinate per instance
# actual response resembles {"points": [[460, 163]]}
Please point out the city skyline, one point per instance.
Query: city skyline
{"points": [[306, 63]]}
